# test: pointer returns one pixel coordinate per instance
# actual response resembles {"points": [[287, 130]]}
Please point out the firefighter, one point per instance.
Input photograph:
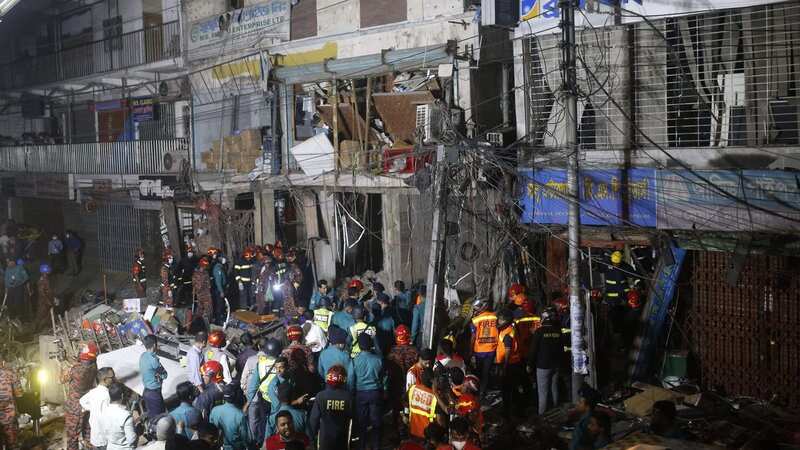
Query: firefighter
{"points": [[359, 328], [216, 352], [616, 277], [44, 296], [518, 298], [201, 290], [525, 325], [509, 360], [79, 380], [422, 405], [139, 274], [296, 275], [400, 359], [212, 393], [290, 292], [298, 354], [484, 341], [219, 275], [168, 278], [243, 270], [263, 292], [186, 268], [332, 412], [280, 273]]}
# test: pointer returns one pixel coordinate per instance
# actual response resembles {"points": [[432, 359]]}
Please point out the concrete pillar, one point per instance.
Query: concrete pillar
{"points": [[325, 251], [392, 237], [264, 216]]}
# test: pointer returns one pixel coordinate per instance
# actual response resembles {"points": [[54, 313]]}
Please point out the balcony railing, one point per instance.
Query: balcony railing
{"points": [[163, 156], [124, 51]]}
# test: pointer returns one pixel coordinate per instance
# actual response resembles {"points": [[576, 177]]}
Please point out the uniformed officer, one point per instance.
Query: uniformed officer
{"points": [[357, 329], [219, 278], [323, 291], [258, 405], [44, 295], [335, 354], [10, 389], [332, 412], [168, 278], [400, 359], [201, 289], [80, 379], [343, 319], [484, 341], [139, 272], [243, 270], [547, 356], [216, 352], [422, 404], [212, 393], [231, 421], [509, 360], [323, 314], [370, 384]]}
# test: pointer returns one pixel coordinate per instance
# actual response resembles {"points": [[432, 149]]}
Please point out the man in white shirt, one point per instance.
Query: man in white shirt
{"points": [[315, 337], [96, 401], [194, 359], [117, 421]]}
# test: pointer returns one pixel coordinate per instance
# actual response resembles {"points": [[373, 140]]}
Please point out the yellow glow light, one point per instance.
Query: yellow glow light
{"points": [[41, 377]]}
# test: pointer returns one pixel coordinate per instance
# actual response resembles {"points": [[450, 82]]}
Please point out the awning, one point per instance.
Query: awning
{"points": [[364, 66]]}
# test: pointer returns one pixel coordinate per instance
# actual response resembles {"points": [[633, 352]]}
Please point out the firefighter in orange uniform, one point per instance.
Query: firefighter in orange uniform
{"points": [[168, 278], [201, 287], [484, 341], [512, 369], [517, 296], [80, 379], [139, 276], [10, 389], [422, 405]]}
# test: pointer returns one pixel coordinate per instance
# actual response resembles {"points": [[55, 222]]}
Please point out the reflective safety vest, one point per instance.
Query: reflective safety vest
{"points": [[567, 332], [265, 364], [244, 271], [322, 318], [514, 356], [485, 332], [421, 409], [355, 332], [526, 326]]}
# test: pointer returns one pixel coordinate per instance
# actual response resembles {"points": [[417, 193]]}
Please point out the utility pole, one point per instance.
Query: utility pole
{"points": [[436, 259], [570, 99]]}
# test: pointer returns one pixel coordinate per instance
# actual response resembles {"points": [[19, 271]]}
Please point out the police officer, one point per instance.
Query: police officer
{"points": [[243, 271], [219, 283], [323, 314], [547, 356], [357, 329], [332, 412], [335, 354], [216, 352], [323, 291], [344, 319], [231, 421], [484, 341], [371, 384], [258, 405]]}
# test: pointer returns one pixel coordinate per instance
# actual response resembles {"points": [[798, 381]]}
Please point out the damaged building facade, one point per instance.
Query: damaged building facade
{"points": [[688, 135], [321, 120]]}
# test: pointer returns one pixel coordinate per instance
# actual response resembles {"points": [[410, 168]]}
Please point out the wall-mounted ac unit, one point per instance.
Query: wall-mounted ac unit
{"points": [[172, 90], [173, 160]]}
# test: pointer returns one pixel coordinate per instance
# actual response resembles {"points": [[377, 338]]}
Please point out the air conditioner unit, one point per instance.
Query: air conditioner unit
{"points": [[183, 119], [429, 123], [172, 90], [173, 160], [495, 139]]}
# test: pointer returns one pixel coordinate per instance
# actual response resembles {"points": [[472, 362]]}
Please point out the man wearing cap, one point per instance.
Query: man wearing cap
{"points": [[80, 379], [332, 412], [323, 316], [231, 420], [335, 355], [370, 386], [359, 328], [344, 319]]}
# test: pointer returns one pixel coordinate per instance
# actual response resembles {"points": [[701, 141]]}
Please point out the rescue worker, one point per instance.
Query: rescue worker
{"points": [[616, 287], [139, 272], [186, 268], [10, 390], [290, 290], [343, 319], [168, 278], [400, 359], [44, 295], [186, 416], [546, 355], [357, 329], [80, 380], [355, 289], [370, 385], [424, 362], [484, 341], [219, 282], [512, 370], [402, 302], [323, 291], [525, 325], [201, 291], [298, 354], [216, 352], [231, 421], [518, 298], [323, 314], [422, 404], [336, 355], [633, 316], [332, 412], [295, 271], [212, 394], [263, 290], [243, 272], [153, 376], [314, 337], [384, 324], [280, 275], [16, 283], [258, 402]]}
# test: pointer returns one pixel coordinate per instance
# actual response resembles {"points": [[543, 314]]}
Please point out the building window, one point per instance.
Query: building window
{"points": [[382, 12], [304, 19]]}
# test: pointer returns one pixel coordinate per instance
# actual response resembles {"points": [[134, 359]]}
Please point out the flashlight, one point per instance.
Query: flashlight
{"points": [[41, 377], [276, 286]]}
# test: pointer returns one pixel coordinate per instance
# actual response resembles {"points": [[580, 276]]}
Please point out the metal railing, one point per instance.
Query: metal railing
{"points": [[127, 157], [124, 51]]}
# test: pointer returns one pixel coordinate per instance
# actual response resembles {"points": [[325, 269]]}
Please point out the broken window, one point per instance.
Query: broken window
{"points": [[359, 222]]}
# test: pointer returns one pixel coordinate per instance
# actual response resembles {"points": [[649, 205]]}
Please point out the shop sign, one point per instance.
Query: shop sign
{"points": [[269, 21], [601, 197], [157, 188], [143, 109]]}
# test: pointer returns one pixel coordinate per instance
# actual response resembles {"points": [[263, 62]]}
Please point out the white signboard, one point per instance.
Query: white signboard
{"points": [[263, 24]]}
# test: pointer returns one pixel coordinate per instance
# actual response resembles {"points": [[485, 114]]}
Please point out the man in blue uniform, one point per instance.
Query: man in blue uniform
{"points": [[231, 420], [370, 386]]}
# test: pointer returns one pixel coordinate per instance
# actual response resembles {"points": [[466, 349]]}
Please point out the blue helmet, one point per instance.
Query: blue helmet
{"points": [[20, 262], [45, 268]]}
